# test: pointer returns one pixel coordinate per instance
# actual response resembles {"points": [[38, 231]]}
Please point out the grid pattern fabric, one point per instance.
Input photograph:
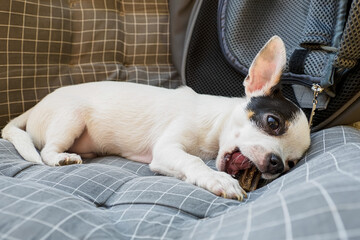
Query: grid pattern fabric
{"points": [[113, 198], [46, 44]]}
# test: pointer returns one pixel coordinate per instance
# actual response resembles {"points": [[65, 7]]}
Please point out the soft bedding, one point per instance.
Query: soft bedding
{"points": [[48, 44], [113, 198]]}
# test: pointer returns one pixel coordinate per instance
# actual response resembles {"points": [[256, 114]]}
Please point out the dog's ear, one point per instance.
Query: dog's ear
{"points": [[265, 71]]}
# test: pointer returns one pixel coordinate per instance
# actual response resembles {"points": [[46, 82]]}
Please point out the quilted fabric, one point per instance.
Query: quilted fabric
{"points": [[113, 198]]}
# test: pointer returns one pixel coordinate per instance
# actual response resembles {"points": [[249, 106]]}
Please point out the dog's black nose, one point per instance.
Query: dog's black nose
{"points": [[275, 164]]}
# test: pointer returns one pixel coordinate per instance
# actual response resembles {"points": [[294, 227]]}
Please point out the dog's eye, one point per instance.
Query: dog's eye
{"points": [[272, 122]]}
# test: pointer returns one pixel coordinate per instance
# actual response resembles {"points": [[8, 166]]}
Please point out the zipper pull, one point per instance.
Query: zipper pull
{"points": [[316, 88]]}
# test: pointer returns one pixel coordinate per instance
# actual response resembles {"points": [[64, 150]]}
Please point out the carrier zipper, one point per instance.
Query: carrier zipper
{"points": [[297, 82], [316, 88]]}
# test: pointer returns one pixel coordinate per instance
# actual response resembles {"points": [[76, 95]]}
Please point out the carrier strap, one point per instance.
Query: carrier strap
{"points": [[297, 61]]}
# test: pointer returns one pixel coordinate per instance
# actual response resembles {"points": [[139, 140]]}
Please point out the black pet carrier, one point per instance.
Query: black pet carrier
{"points": [[322, 38]]}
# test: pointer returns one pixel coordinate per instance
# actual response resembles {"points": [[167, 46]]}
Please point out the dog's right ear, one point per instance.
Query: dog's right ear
{"points": [[265, 71]]}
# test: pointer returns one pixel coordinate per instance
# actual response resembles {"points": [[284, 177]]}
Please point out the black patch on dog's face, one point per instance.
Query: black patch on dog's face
{"points": [[273, 114]]}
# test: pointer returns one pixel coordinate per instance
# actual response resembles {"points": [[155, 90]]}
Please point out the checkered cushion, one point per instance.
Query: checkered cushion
{"points": [[46, 44], [113, 198]]}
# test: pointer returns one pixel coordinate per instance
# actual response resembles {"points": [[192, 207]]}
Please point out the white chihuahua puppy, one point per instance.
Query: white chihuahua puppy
{"points": [[172, 130]]}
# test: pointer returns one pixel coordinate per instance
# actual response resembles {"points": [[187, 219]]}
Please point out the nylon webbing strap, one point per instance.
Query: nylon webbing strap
{"points": [[297, 61]]}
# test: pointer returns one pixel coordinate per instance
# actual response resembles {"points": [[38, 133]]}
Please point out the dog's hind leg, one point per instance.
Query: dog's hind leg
{"points": [[60, 135]]}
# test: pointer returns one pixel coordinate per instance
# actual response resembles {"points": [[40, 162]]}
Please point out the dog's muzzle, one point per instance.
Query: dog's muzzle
{"points": [[235, 162]]}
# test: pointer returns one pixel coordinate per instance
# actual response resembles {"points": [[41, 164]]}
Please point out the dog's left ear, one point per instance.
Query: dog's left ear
{"points": [[265, 71]]}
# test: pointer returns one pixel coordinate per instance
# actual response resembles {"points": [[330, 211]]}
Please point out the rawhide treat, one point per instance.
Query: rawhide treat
{"points": [[249, 179], [241, 168]]}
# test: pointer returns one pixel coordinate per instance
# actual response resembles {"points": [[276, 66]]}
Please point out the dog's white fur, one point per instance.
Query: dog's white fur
{"points": [[173, 130]]}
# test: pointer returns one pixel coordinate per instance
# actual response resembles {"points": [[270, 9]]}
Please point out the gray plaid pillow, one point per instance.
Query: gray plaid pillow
{"points": [[113, 198]]}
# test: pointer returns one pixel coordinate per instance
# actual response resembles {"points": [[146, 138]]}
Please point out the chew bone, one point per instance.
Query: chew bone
{"points": [[249, 178]]}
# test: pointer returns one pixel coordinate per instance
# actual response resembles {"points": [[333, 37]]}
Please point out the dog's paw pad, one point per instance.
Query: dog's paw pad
{"points": [[223, 185], [231, 194], [69, 159]]}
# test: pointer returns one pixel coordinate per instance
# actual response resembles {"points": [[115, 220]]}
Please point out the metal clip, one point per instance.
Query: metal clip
{"points": [[316, 88]]}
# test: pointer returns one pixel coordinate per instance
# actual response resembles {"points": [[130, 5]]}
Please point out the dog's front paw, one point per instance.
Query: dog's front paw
{"points": [[67, 159], [221, 184]]}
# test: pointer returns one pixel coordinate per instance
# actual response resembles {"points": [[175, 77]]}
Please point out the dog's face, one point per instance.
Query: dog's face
{"points": [[267, 130]]}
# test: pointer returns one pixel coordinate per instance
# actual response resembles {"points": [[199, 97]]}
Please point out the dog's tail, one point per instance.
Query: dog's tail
{"points": [[15, 132]]}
